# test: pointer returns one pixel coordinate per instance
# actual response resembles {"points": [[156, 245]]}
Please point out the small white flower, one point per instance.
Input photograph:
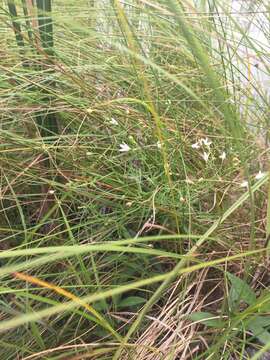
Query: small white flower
{"points": [[89, 153], [222, 156], [244, 184], [113, 121], [195, 145], [205, 156], [129, 204], [206, 142], [51, 192], [124, 147], [259, 175], [159, 145]]}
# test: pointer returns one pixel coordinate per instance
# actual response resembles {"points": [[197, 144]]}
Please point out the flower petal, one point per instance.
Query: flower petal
{"points": [[113, 121], [206, 142], [244, 184], [259, 175], [124, 147], [223, 156], [195, 145], [205, 156]]}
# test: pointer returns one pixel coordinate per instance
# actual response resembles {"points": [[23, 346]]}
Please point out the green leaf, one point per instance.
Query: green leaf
{"points": [[207, 319], [262, 321], [100, 306], [116, 299], [259, 332], [257, 325], [37, 336], [240, 290], [131, 301]]}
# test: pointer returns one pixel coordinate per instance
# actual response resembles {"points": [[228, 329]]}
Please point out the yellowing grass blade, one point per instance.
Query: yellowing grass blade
{"points": [[69, 295]]}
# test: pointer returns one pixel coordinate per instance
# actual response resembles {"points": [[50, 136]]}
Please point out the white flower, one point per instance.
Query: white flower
{"points": [[195, 145], [113, 121], [206, 142], [259, 175], [244, 184], [201, 142], [124, 147], [205, 156], [159, 145], [51, 192], [223, 156]]}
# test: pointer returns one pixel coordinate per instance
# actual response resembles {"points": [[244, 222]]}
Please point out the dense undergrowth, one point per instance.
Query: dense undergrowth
{"points": [[134, 188]]}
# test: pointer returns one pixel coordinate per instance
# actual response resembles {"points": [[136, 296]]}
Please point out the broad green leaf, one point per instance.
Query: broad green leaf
{"points": [[240, 290], [100, 306], [131, 301], [255, 326], [261, 321], [207, 319]]}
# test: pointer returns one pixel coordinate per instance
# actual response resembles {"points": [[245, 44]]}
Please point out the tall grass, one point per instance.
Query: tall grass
{"points": [[134, 180]]}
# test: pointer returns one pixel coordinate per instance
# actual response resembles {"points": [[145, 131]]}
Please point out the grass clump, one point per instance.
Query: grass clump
{"points": [[134, 184]]}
